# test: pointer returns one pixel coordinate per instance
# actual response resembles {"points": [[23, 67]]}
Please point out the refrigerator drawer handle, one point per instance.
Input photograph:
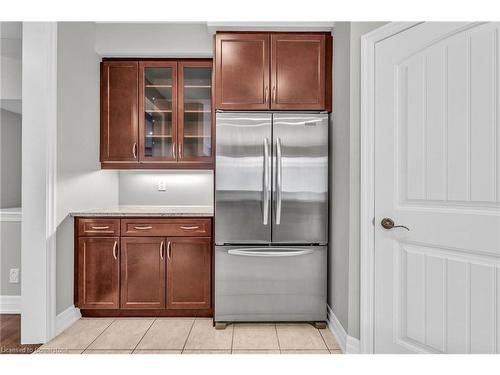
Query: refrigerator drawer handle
{"points": [[266, 187], [253, 253]]}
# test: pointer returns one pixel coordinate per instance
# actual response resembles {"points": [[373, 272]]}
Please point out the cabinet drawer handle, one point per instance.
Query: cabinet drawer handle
{"points": [[143, 228], [115, 247], [274, 94], [100, 228], [134, 150], [169, 247], [196, 227], [162, 247], [266, 94]]}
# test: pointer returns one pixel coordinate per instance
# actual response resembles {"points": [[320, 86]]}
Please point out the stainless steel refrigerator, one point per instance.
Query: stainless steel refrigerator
{"points": [[271, 216]]}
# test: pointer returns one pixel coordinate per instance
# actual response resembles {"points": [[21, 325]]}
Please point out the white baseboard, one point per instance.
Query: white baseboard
{"points": [[66, 319], [10, 304], [348, 344]]}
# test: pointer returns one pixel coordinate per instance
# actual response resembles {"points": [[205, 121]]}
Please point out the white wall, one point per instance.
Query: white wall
{"points": [[339, 186], [10, 151], [344, 283], [153, 39], [191, 188], [10, 159], [81, 183], [10, 255], [10, 66], [10, 196]]}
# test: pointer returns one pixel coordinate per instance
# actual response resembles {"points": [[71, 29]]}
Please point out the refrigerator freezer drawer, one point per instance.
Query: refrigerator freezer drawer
{"points": [[270, 283]]}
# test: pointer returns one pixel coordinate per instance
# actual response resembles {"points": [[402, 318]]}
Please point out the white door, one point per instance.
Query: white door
{"points": [[437, 171]]}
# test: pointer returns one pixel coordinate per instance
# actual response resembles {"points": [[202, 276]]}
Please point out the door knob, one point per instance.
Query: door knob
{"points": [[388, 223]]}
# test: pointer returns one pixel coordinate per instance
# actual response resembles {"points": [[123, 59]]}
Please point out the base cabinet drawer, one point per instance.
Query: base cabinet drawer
{"points": [[99, 227], [166, 227]]}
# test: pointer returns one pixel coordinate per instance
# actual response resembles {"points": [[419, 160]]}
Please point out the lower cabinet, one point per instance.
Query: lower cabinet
{"points": [[98, 273], [188, 276], [142, 273], [129, 274]]}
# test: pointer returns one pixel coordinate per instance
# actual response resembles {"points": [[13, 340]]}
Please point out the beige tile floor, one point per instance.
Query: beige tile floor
{"points": [[188, 336]]}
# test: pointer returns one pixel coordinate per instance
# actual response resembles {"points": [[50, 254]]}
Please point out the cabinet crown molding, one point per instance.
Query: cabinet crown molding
{"points": [[213, 27]]}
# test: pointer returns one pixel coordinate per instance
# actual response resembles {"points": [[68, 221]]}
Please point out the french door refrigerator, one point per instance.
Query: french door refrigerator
{"points": [[271, 216]]}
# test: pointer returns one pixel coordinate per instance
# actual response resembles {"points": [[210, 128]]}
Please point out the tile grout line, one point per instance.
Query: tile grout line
{"points": [[138, 342], [324, 341], [232, 337], [277, 337], [99, 335], [187, 337]]}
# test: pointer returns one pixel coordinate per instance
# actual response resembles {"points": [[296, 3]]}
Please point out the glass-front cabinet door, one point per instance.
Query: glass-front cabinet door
{"points": [[157, 111], [195, 111]]}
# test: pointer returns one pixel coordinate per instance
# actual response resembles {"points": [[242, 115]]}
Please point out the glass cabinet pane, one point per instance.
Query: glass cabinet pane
{"points": [[158, 123], [197, 121]]}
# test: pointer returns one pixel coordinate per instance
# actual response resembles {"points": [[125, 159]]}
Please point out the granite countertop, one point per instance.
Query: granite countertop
{"points": [[150, 211]]}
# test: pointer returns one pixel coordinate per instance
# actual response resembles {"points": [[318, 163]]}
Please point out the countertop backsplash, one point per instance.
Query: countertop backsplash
{"points": [[181, 188]]}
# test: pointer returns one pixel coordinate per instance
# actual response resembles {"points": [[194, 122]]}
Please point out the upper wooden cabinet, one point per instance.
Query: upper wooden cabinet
{"points": [[242, 71], [119, 99], [157, 111], [298, 71], [278, 71], [156, 114]]}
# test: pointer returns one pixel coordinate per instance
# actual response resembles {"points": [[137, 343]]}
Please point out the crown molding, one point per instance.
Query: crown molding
{"points": [[213, 27]]}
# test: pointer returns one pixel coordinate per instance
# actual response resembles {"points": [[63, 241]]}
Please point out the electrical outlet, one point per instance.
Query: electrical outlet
{"points": [[14, 276], [162, 185]]}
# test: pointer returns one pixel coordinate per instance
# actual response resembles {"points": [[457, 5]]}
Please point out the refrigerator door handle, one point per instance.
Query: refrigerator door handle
{"points": [[255, 253], [279, 181], [266, 188]]}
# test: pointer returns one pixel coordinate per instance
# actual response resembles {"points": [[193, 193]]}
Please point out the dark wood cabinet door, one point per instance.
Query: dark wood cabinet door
{"points": [[188, 272], [195, 115], [158, 111], [142, 273], [242, 71], [119, 100], [98, 272], [298, 71]]}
